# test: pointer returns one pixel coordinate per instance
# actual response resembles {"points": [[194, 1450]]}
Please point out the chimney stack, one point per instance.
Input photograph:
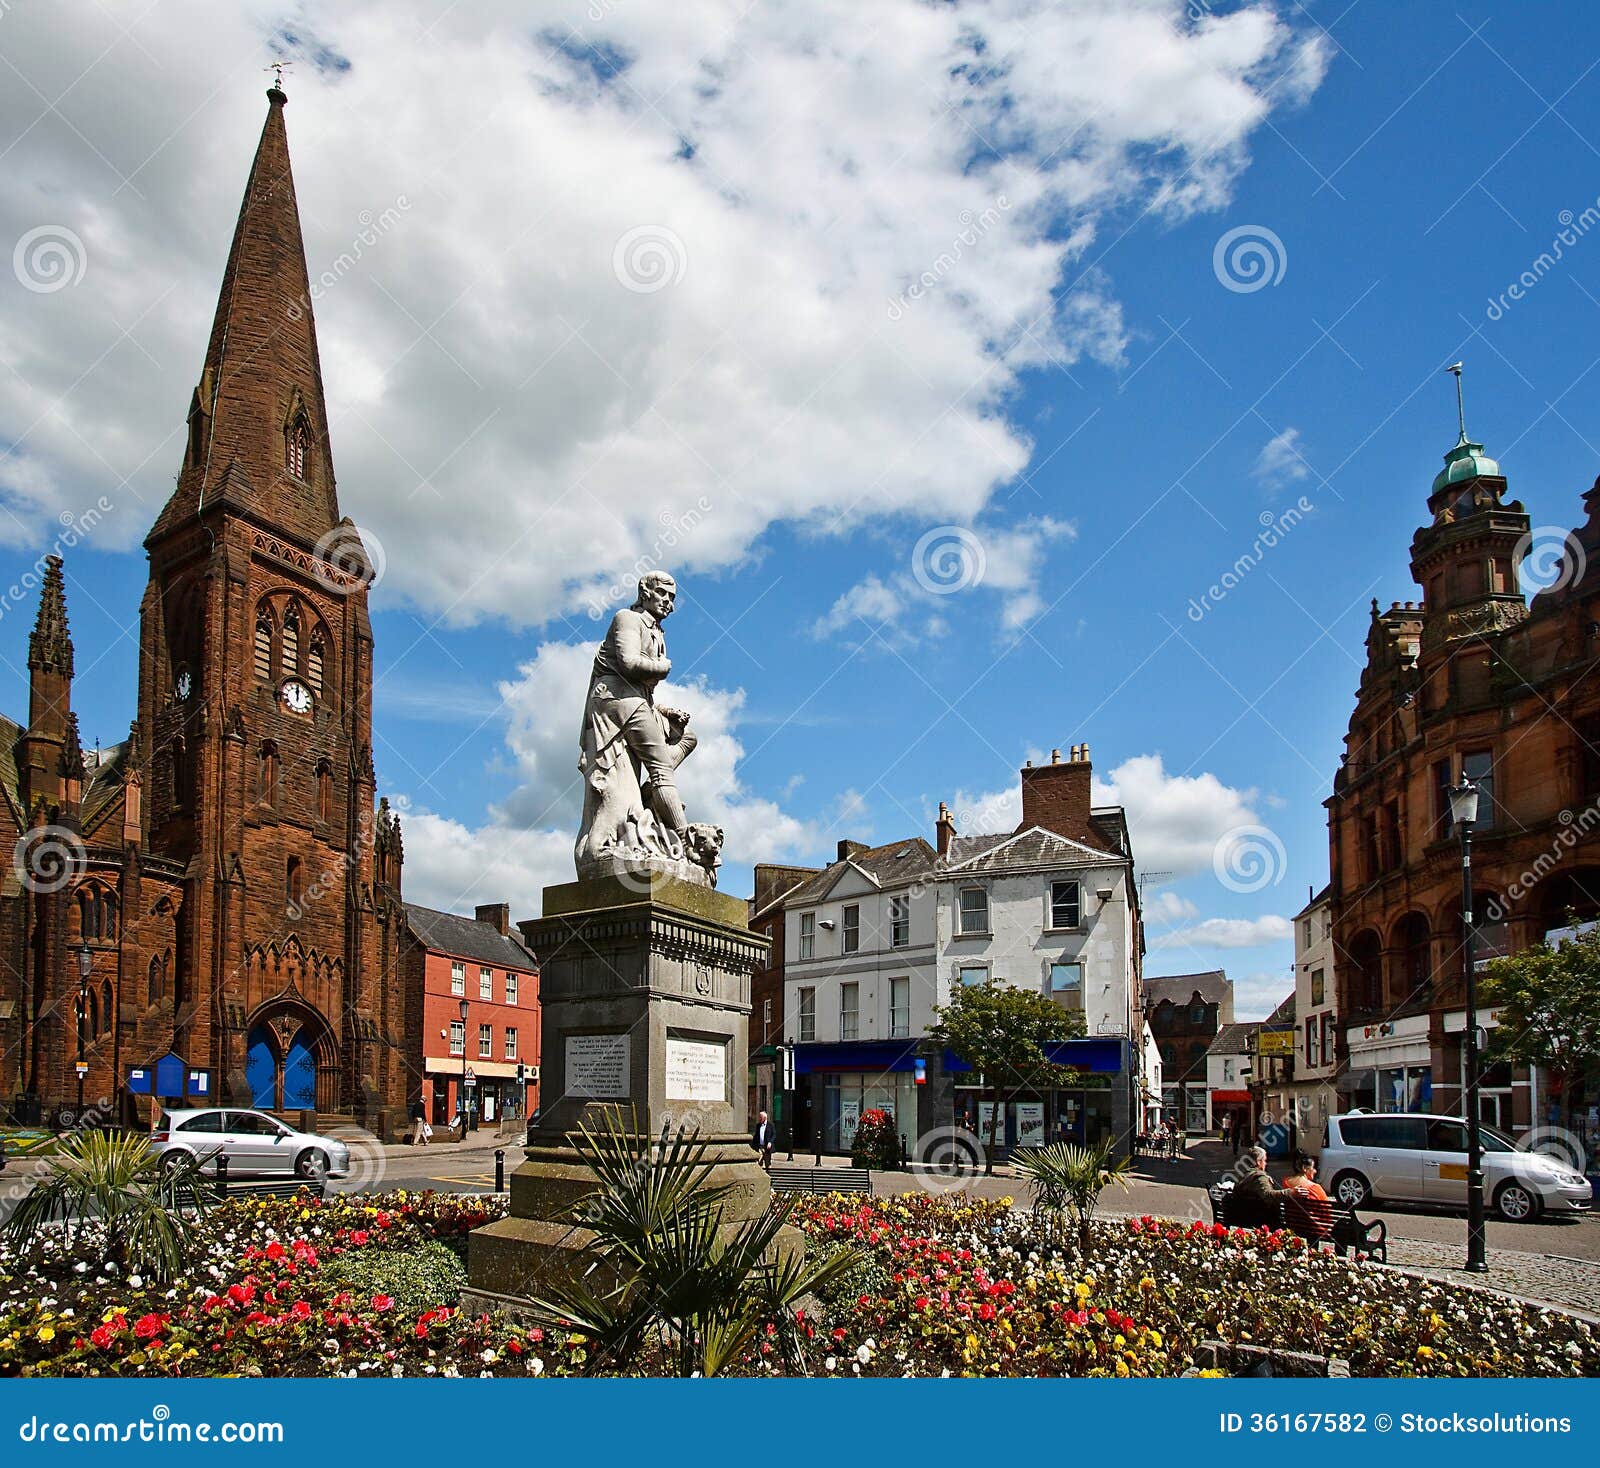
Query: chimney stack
{"points": [[944, 830], [1057, 796], [497, 915], [847, 849]]}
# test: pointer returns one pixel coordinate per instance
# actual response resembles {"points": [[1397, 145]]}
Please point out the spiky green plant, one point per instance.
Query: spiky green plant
{"points": [[669, 1277], [141, 1204], [1068, 1182]]}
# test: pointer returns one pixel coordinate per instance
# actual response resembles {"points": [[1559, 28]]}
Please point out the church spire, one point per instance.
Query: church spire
{"points": [[258, 426], [50, 644]]}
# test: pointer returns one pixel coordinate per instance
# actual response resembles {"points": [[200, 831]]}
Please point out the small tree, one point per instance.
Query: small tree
{"points": [[1002, 1032], [1068, 1180], [1549, 1003]]}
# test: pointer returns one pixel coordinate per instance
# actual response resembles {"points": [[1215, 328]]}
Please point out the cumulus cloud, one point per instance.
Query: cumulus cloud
{"points": [[526, 841], [1227, 933], [1175, 821], [1281, 461], [633, 264], [1166, 906]]}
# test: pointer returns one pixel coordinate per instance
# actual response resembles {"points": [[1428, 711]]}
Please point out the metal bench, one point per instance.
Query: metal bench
{"points": [[820, 1179], [1315, 1221]]}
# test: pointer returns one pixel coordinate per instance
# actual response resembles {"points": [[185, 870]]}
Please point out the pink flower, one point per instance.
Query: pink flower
{"points": [[380, 1303]]}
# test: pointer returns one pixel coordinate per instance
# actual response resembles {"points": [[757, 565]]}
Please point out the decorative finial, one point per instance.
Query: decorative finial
{"points": [[1461, 411], [275, 92]]}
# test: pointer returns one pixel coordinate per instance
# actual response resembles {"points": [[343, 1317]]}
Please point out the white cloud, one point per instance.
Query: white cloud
{"points": [[1175, 821], [1227, 933], [1281, 461], [1167, 906], [526, 842], [1256, 995], [511, 422]]}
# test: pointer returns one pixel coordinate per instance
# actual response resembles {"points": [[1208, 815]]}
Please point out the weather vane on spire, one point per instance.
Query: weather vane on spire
{"points": [[278, 68], [1461, 411]]}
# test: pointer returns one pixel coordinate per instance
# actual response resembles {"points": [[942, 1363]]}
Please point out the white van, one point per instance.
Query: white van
{"points": [[1412, 1157]]}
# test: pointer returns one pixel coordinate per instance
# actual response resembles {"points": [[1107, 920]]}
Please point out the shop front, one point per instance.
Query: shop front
{"points": [[1100, 1106], [1391, 1066], [837, 1084]]}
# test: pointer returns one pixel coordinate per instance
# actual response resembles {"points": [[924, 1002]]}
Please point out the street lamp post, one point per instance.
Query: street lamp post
{"points": [[85, 963], [461, 1100], [1464, 811]]}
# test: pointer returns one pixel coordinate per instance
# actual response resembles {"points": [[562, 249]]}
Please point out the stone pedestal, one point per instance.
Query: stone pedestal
{"points": [[644, 990]]}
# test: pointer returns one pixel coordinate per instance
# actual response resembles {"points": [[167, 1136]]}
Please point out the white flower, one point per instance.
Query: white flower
{"points": [[536, 1366], [488, 1356], [863, 1354], [135, 1282], [832, 1363]]}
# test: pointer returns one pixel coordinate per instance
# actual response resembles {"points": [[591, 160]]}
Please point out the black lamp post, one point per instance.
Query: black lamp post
{"points": [[461, 1101], [85, 963], [1464, 811]]}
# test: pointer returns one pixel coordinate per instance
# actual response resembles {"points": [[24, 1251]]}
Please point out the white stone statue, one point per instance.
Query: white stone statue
{"points": [[630, 750]]}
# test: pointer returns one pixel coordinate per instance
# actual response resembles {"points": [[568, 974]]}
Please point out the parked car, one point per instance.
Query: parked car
{"points": [[1412, 1157], [255, 1144]]}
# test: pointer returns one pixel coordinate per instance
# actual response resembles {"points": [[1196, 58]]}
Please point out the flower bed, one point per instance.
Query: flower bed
{"points": [[939, 1286], [261, 1300], [971, 1288]]}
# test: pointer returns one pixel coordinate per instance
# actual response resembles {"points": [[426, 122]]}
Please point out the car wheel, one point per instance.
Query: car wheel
{"points": [[1517, 1203], [172, 1160], [312, 1165], [1353, 1190]]}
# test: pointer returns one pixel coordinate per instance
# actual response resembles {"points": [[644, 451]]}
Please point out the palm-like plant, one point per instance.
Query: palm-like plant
{"points": [[1068, 1181], [668, 1274], [146, 1212]]}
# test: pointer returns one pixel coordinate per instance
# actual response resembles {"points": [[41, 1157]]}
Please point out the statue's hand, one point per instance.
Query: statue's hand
{"points": [[676, 721]]}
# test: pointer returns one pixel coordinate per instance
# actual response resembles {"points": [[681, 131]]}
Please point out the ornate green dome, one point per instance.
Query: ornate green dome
{"points": [[1466, 460]]}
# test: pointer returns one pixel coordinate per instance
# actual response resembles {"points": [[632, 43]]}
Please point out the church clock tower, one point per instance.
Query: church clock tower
{"points": [[255, 709]]}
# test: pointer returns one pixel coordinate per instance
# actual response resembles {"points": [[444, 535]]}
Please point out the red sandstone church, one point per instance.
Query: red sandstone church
{"points": [[223, 876]]}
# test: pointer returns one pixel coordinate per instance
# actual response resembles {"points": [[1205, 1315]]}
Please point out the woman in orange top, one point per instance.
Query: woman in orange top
{"points": [[1307, 1209], [1303, 1179]]}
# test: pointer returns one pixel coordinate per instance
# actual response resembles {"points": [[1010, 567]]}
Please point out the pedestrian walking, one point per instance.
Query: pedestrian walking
{"points": [[1227, 1126], [763, 1138], [1236, 1132], [419, 1124]]}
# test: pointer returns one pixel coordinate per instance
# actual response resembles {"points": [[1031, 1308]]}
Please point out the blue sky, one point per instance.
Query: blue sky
{"points": [[1075, 388]]}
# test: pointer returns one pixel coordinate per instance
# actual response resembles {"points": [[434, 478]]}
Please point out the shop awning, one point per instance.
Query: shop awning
{"points": [[871, 1055], [1102, 1053], [505, 1070], [1232, 1098]]}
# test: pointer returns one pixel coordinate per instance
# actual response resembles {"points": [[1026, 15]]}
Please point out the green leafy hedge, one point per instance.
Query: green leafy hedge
{"points": [[421, 1277]]}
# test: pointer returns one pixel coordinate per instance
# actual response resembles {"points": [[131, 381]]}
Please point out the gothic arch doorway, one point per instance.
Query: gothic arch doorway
{"points": [[291, 1060]]}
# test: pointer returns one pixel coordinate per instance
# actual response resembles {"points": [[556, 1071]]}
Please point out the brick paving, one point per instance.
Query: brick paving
{"points": [[1550, 1279]]}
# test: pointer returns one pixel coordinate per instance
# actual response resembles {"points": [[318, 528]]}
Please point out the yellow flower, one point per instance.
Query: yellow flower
{"points": [[1081, 1291], [1006, 1202], [47, 1333], [1424, 1352]]}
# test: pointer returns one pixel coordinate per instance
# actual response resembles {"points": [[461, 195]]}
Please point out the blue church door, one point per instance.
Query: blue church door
{"points": [[261, 1069], [300, 1074]]}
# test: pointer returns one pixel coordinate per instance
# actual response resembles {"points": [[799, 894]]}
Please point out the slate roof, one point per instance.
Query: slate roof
{"points": [[894, 865], [1033, 847], [1235, 1039], [1214, 986], [465, 937], [105, 781], [1282, 1016]]}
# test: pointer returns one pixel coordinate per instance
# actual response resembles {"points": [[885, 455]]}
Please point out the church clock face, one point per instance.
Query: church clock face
{"points": [[296, 697], [184, 684]]}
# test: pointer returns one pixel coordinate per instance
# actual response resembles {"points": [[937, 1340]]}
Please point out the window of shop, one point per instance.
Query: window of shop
{"points": [[458, 978], [808, 935], [847, 1095], [458, 1037], [485, 1042], [511, 1042], [1405, 1088], [899, 1008], [486, 983], [974, 910], [807, 1000], [899, 922], [511, 987], [852, 929], [849, 1011], [1064, 910]]}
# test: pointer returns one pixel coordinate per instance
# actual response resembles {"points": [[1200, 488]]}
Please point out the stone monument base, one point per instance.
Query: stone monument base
{"points": [[644, 987]]}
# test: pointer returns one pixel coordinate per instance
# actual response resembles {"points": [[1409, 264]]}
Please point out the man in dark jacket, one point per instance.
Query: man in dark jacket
{"points": [[763, 1139], [1256, 1199]]}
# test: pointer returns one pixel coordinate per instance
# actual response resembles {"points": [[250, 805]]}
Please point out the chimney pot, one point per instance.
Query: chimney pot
{"points": [[1055, 756]]}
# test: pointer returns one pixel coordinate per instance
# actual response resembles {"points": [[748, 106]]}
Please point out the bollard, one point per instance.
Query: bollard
{"points": [[819, 1151], [499, 1169], [905, 1153], [222, 1176]]}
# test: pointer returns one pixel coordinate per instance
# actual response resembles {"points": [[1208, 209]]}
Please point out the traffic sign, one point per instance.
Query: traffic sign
{"points": [[82, 1068]]}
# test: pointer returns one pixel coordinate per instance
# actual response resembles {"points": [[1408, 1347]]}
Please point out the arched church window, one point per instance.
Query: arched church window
{"points": [[179, 767], [108, 915], [293, 886], [298, 447], [291, 643], [263, 647], [158, 979], [88, 913], [314, 659]]}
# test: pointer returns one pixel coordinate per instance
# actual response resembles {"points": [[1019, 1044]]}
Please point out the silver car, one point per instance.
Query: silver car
{"points": [[255, 1144], [1412, 1157]]}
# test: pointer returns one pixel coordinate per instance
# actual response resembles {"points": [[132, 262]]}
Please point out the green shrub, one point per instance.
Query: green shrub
{"points": [[421, 1277]]}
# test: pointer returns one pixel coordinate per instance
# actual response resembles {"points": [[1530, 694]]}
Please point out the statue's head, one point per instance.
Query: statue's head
{"points": [[704, 844], [657, 593]]}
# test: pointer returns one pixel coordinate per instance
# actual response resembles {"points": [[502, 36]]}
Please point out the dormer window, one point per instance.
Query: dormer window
{"points": [[297, 447]]}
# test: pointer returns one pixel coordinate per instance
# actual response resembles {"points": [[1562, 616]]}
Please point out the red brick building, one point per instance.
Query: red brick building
{"points": [[237, 892], [1472, 677], [772, 884], [446, 960]]}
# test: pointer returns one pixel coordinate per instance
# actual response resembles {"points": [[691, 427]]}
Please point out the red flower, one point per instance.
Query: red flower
{"points": [[102, 1336], [380, 1303], [536, 1334], [360, 1236], [275, 1250], [148, 1326], [839, 1333], [241, 1294], [301, 1310], [986, 1311], [514, 1346]]}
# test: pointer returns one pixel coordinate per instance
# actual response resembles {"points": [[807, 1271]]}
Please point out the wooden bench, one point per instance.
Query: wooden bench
{"points": [[820, 1179], [1313, 1219]]}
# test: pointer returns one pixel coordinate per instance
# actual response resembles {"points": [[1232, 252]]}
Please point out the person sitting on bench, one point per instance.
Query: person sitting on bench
{"points": [[1307, 1209], [1255, 1200]]}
